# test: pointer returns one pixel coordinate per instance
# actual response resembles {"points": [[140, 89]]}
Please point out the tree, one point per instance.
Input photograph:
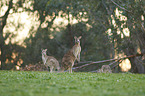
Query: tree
{"points": [[127, 44], [3, 22], [108, 28], [10, 52], [101, 16]]}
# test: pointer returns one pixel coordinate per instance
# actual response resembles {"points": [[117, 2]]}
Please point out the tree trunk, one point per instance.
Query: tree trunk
{"points": [[141, 39], [70, 35], [136, 65], [3, 22], [2, 44], [70, 31]]}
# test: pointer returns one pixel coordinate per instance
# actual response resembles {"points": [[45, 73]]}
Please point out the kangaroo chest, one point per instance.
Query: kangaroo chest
{"points": [[76, 50], [44, 58]]}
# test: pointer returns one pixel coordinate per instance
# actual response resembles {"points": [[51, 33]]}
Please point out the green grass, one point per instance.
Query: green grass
{"points": [[24, 83]]}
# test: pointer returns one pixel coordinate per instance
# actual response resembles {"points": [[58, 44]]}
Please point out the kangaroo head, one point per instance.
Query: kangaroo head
{"points": [[105, 67], [43, 51], [77, 39]]}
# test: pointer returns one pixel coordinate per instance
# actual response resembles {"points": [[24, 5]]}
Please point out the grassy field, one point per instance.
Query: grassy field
{"points": [[24, 83]]}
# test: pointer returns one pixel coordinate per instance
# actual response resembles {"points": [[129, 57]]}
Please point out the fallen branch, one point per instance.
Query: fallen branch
{"points": [[116, 65], [109, 60], [113, 62]]}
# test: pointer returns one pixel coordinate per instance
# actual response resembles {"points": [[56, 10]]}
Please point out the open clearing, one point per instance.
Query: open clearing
{"points": [[30, 83]]}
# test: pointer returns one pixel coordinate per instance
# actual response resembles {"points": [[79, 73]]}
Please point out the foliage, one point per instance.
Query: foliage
{"points": [[7, 50], [25, 83], [103, 25]]}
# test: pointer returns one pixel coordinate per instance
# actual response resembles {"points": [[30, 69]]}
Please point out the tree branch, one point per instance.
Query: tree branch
{"points": [[120, 6], [51, 22], [6, 14], [106, 7], [109, 60]]}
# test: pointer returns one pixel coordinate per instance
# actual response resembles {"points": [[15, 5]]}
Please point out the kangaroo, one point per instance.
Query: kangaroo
{"points": [[105, 69], [72, 55], [49, 61]]}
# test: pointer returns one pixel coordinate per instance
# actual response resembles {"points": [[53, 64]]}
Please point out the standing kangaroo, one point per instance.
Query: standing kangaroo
{"points": [[49, 61], [72, 55]]}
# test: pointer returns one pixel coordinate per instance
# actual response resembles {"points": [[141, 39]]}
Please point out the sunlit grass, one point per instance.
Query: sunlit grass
{"points": [[24, 83]]}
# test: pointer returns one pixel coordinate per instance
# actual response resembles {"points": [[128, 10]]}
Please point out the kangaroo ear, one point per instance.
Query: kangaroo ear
{"points": [[80, 37], [75, 37]]}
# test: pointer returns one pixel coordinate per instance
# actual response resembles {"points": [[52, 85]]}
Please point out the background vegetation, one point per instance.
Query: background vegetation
{"points": [[109, 29]]}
